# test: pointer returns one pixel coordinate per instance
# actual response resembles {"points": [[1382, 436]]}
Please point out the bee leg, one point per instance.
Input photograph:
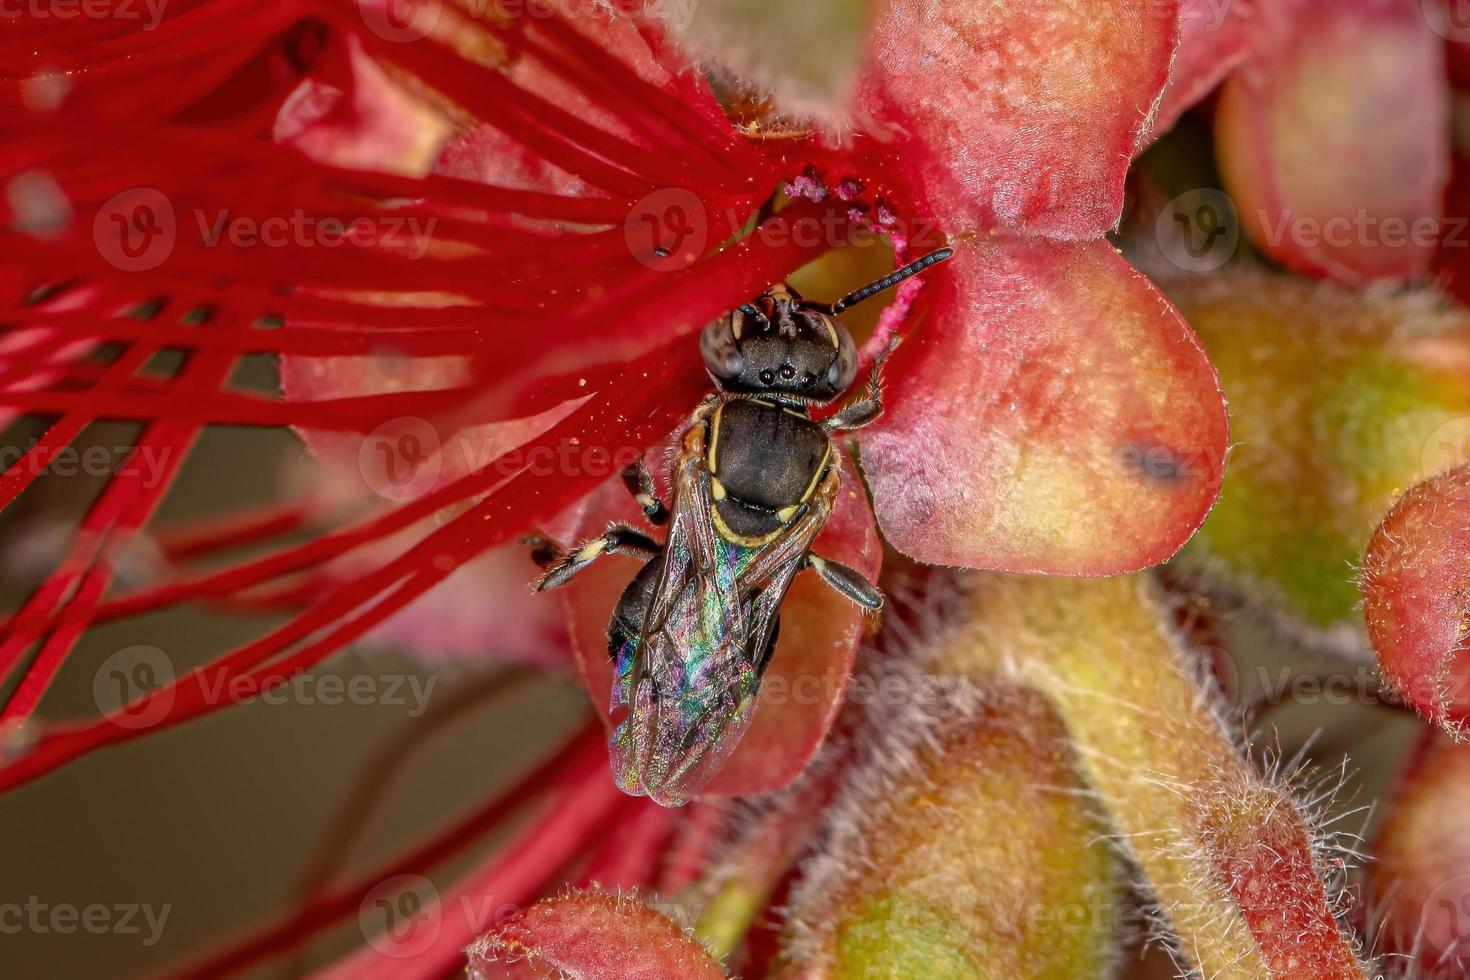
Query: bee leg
{"points": [[640, 484], [620, 539], [866, 410], [847, 581]]}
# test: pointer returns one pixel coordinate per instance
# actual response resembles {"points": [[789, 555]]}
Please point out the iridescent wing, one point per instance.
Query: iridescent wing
{"points": [[686, 688]]}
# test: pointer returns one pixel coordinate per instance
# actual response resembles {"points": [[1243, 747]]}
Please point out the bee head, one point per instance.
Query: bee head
{"points": [[780, 345]]}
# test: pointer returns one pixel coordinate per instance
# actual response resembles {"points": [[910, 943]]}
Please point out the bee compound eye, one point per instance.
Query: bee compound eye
{"points": [[721, 351]]}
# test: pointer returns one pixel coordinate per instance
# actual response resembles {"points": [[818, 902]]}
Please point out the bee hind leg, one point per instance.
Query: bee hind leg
{"points": [[847, 581], [619, 539]]}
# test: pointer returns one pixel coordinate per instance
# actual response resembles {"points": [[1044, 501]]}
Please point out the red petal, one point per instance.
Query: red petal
{"points": [[1057, 415], [1333, 140], [594, 934], [1213, 39], [1452, 261], [1416, 595], [1018, 115], [1419, 878], [820, 630]]}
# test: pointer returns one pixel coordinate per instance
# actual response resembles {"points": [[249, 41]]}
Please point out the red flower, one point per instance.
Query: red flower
{"points": [[479, 250], [1036, 365]]}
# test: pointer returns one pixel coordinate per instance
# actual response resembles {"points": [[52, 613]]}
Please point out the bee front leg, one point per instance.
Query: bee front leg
{"points": [[866, 410], [847, 581], [620, 539], [640, 484]]}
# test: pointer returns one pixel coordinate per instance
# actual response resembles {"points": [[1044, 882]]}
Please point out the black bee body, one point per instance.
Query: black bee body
{"points": [[755, 480], [765, 460]]}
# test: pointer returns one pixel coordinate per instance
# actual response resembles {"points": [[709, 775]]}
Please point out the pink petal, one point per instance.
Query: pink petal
{"points": [[407, 457], [820, 630], [1053, 414], [1416, 596], [594, 934], [1214, 37], [377, 126], [1333, 139], [1018, 115], [481, 615]]}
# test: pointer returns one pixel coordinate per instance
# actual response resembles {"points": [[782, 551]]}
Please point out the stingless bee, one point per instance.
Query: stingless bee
{"points": [[753, 483]]}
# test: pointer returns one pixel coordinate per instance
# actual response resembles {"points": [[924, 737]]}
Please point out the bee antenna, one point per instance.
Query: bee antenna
{"points": [[892, 279]]}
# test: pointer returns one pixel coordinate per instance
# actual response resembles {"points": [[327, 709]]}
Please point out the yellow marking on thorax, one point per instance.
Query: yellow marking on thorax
{"points": [[714, 439], [817, 476], [724, 531]]}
